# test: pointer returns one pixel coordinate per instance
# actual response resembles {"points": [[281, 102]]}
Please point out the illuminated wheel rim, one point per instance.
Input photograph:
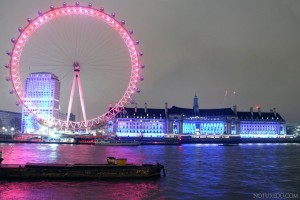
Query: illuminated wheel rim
{"points": [[109, 19]]}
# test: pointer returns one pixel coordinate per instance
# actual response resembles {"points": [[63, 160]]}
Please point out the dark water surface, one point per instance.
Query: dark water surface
{"points": [[193, 171]]}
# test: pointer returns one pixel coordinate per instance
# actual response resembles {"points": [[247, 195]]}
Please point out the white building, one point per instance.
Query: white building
{"points": [[42, 93]]}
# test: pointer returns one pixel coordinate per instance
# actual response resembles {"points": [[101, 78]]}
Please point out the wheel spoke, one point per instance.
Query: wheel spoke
{"points": [[91, 56]]}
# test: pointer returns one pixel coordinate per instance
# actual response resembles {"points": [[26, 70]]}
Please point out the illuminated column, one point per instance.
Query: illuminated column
{"points": [[237, 128], [228, 127], [200, 128], [233, 127], [167, 129], [170, 126], [180, 128]]}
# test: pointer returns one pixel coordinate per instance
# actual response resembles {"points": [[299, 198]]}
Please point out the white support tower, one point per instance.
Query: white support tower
{"points": [[76, 78]]}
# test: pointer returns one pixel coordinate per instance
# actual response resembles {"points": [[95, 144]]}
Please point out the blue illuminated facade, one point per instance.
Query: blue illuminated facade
{"points": [[137, 122], [206, 123], [42, 92], [261, 124]]}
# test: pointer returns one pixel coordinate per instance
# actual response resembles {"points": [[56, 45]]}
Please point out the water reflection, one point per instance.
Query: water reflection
{"points": [[131, 190], [53, 153], [193, 171]]}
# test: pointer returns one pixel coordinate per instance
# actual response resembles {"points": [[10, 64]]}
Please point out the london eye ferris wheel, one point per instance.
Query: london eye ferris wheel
{"points": [[86, 48]]}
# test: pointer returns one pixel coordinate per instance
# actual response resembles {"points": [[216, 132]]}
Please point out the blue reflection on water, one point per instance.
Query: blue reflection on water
{"points": [[193, 171]]}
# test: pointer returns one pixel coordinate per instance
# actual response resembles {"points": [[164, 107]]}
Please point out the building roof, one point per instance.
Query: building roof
{"points": [[220, 112], [44, 73], [10, 112], [257, 116], [202, 112], [152, 112]]}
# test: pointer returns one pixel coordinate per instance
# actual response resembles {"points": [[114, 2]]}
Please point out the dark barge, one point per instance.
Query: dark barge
{"points": [[114, 169]]}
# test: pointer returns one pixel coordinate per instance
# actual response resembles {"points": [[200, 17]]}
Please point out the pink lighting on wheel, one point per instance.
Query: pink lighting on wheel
{"points": [[99, 14]]}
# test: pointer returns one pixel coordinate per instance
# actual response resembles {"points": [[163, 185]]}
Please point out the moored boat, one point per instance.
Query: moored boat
{"points": [[160, 141], [111, 142], [116, 169], [228, 145]]}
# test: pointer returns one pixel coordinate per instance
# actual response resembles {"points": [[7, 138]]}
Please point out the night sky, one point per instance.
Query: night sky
{"points": [[228, 52]]}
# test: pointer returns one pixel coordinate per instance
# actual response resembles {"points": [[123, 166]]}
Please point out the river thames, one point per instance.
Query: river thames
{"points": [[193, 171]]}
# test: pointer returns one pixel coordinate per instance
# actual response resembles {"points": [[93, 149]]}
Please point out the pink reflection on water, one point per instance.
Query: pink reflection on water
{"points": [[12, 154], [130, 190], [48, 153], [54, 153]]}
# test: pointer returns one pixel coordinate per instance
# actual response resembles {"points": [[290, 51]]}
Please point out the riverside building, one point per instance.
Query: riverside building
{"points": [[209, 123], [10, 121], [42, 92]]}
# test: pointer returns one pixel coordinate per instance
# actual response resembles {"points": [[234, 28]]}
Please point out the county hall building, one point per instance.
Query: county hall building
{"points": [[211, 123]]}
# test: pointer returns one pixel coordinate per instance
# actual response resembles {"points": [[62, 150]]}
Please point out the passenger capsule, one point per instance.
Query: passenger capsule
{"points": [[131, 32], [137, 42], [113, 15], [142, 78], [13, 40], [52, 7], [123, 22], [141, 54], [20, 29], [11, 91], [101, 9], [7, 66], [90, 5], [132, 101], [142, 66], [77, 4], [64, 4], [7, 79], [29, 20], [40, 13], [8, 53], [138, 90]]}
